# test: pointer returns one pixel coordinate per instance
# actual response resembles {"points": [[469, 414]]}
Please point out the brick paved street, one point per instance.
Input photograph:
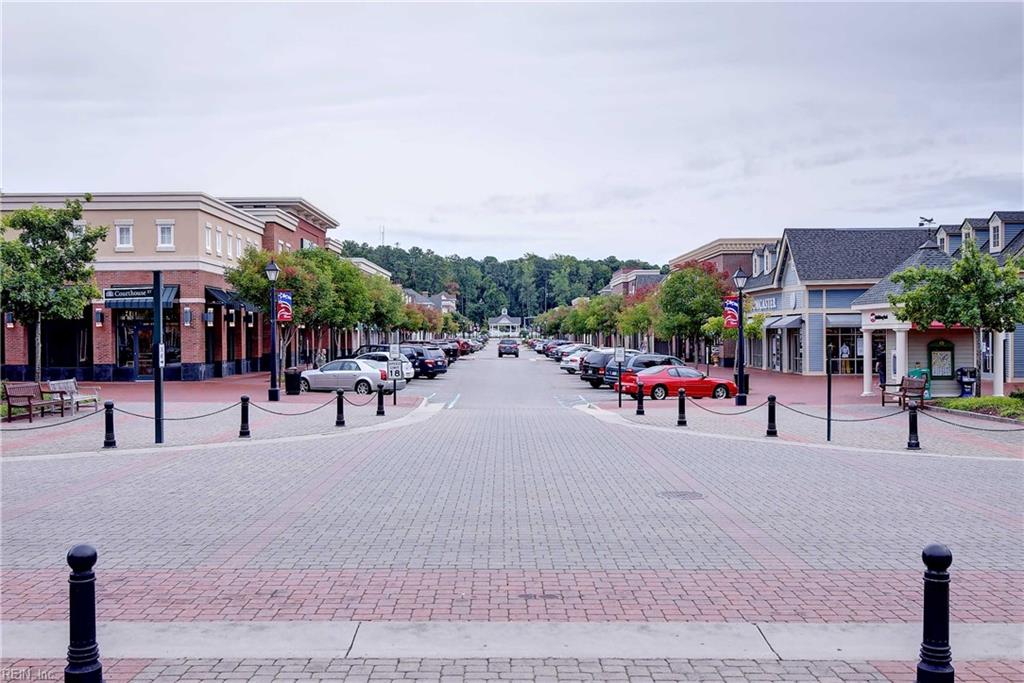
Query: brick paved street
{"points": [[507, 503]]}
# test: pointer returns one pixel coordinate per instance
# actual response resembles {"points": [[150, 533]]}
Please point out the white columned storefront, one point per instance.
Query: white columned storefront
{"points": [[901, 353], [868, 363], [998, 361]]}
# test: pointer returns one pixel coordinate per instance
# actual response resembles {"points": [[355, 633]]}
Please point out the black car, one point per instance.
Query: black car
{"points": [[635, 362], [508, 347], [593, 365]]}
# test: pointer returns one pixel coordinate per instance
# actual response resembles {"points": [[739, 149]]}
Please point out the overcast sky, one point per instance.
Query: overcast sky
{"points": [[634, 130]]}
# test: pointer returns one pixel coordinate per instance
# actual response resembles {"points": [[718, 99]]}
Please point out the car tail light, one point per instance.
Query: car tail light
{"points": [[428, 362]]}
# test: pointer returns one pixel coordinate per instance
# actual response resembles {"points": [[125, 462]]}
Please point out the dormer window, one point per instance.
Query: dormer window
{"points": [[942, 242], [996, 241], [767, 261], [967, 234], [756, 265]]}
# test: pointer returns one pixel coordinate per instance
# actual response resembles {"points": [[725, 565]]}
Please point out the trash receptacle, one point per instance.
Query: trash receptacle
{"points": [[967, 378], [292, 382]]}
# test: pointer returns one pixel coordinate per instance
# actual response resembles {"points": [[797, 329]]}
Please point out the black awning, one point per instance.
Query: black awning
{"points": [[215, 295], [170, 293]]}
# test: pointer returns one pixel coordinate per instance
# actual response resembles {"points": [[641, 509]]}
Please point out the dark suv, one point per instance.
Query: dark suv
{"points": [[634, 363], [508, 347], [593, 365]]}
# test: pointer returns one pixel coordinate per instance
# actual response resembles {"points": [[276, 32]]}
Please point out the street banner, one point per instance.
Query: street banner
{"points": [[731, 311], [284, 307]]}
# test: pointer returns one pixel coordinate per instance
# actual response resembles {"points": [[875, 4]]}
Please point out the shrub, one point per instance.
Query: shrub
{"points": [[1004, 406]]}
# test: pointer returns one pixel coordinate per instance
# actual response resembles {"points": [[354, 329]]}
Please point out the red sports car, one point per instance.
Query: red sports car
{"points": [[663, 381]]}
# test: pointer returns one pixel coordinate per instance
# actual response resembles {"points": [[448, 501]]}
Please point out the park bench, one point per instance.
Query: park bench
{"points": [[30, 396], [74, 395], [909, 389]]}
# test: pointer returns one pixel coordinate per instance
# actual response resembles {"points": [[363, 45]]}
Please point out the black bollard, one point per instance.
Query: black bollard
{"points": [[681, 419], [772, 430], [380, 400], [913, 444], [936, 665], [339, 418], [108, 439], [83, 651], [639, 398], [243, 429]]}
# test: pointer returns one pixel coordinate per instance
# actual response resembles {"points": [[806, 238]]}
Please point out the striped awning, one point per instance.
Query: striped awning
{"points": [[170, 293], [787, 322]]}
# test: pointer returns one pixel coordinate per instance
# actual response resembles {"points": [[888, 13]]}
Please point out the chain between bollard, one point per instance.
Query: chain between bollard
{"points": [[53, 424], [936, 662], [83, 651], [838, 419], [303, 412], [977, 429], [180, 419], [719, 412]]}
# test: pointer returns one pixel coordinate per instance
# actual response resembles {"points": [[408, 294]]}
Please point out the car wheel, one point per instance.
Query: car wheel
{"points": [[432, 376], [363, 387], [596, 383], [304, 384], [659, 393], [571, 371], [721, 392]]}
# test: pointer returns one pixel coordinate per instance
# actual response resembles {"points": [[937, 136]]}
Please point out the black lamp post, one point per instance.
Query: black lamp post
{"points": [[272, 271], [739, 278]]}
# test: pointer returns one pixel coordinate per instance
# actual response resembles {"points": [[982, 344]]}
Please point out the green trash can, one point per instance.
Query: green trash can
{"points": [[919, 373]]}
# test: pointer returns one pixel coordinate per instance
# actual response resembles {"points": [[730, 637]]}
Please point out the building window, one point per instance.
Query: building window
{"points": [[287, 246], [209, 238], [231, 245], [165, 234], [78, 229], [767, 261], [942, 243], [756, 265], [219, 240], [124, 231], [238, 245], [997, 238], [280, 246]]}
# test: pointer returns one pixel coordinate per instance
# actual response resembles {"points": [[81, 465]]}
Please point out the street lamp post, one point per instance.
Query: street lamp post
{"points": [[272, 271], [739, 278]]}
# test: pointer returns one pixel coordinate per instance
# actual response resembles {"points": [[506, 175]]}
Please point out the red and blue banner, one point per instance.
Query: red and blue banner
{"points": [[284, 307], [731, 311]]}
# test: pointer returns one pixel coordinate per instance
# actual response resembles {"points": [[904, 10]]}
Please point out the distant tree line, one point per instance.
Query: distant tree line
{"points": [[526, 286]]}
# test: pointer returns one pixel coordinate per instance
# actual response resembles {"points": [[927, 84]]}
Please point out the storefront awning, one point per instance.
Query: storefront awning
{"points": [[842, 320], [222, 297], [112, 300], [787, 322]]}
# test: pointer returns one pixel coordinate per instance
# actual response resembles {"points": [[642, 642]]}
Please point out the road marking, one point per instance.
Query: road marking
{"points": [[451, 404]]}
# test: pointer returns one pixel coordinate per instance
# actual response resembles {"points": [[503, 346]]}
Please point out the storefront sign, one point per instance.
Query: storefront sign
{"points": [[875, 317], [765, 303], [284, 307], [731, 312], [115, 293]]}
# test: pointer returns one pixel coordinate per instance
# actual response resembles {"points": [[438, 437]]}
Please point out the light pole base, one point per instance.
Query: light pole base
{"points": [[741, 399], [274, 394]]}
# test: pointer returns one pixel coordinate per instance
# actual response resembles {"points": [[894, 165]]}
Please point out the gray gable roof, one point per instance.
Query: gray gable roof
{"points": [[1014, 247], [1010, 216], [977, 223], [504, 320], [950, 229], [851, 253], [928, 254]]}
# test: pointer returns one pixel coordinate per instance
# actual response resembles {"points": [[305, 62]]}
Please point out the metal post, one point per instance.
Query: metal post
{"points": [[83, 652], [741, 393], [772, 430], [274, 393], [108, 417], [828, 399], [339, 418], [620, 384], [913, 443], [380, 399], [243, 429], [936, 664], [639, 398], [158, 356], [394, 392], [681, 419]]}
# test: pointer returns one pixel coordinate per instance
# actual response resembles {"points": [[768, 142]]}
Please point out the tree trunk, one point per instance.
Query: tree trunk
{"points": [[39, 347]]}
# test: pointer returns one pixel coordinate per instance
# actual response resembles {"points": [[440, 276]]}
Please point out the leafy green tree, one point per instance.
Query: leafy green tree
{"points": [[687, 298], [349, 302], [636, 319], [386, 305], [975, 291], [46, 271]]}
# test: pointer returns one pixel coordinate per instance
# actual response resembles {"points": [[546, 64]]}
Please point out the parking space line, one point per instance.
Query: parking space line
{"points": [[451, 404]]}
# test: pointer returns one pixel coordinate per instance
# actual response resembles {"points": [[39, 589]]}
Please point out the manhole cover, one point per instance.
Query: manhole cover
{"points": [[542, 596], [681, 495]]}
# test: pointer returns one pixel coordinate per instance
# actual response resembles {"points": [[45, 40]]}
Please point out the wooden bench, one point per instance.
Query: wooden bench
{"points": [[909, 389], [74, 395], [30, 396]]}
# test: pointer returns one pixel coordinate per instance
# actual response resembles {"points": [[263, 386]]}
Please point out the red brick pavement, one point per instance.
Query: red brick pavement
{"points": [[114, 670], [497, 595], [995, 671]]}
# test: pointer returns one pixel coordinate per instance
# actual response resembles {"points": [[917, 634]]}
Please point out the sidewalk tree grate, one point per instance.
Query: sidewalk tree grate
{"points": [[681, 495]]}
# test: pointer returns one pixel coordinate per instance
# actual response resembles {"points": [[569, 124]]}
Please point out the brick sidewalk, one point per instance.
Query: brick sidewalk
{"points": [[532, 670]]}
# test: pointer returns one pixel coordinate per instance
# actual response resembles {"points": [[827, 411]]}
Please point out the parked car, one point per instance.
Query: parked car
{"points": [[538, 345], [572, 362], [417, 355], [593, 365], [663, 381], [508, 347], [552, 344], [349, 374], [380, 359], [566, 350], [634, 363]]}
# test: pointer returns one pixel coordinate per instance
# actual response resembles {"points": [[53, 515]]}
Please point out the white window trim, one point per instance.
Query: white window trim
{"points": [[160, 223], [280, 246], [124, 223], [208, 238], [238, 246], [754, 266], [220, 241], [996, 238], [78, 229], [231, 245]]}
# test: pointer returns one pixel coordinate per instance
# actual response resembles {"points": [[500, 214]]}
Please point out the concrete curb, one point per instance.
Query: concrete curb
{"points": [[462, 640]]}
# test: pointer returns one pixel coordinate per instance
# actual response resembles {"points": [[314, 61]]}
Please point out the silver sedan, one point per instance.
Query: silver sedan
{"points": [[380, 359], [359, 376]]}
